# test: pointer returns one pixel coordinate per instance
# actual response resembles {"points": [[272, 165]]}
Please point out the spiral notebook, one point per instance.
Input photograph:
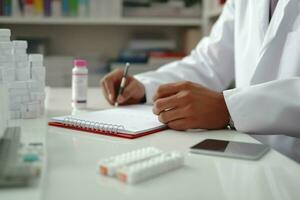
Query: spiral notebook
{"points": [[127, 122]]}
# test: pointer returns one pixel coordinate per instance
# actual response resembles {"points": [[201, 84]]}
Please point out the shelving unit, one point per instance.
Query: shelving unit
{"points": [[209, 10], [105, 36], [108, 21]]}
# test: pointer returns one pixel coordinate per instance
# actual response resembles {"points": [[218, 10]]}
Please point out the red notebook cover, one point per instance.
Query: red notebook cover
{"points": [[125, 121], [122, 135]]}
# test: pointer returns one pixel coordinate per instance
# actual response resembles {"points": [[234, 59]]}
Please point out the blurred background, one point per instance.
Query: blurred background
{"points": [[108, 33]]}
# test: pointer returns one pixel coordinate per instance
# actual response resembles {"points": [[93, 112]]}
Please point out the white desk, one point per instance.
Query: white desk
{"points": [[72, 157]]}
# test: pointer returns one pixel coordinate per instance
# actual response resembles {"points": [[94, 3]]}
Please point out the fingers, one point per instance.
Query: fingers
{"points": [[180, 125], [105, 93], [128, 92], [130, 101], [166, 90], [171, 89], [166, 103], [109, 84], [171, 115], [180, 99], [110, 91]]}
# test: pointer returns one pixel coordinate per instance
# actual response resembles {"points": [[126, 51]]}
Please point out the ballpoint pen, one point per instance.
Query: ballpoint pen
{"points": [[123, 82]]}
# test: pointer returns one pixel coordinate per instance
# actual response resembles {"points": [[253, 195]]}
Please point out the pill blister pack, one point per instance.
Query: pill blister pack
{"points": [[140, 165]]}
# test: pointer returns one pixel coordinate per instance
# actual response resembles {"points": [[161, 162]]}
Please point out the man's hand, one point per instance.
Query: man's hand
{"points": [[133, 93], [187, 105]]}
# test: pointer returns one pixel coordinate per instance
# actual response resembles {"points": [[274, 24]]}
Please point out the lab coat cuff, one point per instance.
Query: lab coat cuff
{"points": [[149, 88], [230, 103]]}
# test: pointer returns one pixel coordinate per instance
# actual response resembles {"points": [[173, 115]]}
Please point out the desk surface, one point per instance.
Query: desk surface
{"points": [[70, 171]]}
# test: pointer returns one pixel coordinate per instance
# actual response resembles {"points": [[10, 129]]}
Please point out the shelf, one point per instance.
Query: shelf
{"points": [[109, 21]]}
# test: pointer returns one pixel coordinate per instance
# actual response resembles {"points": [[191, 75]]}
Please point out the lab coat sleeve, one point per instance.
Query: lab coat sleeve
{"points": [[268, 108], [210, 64]]}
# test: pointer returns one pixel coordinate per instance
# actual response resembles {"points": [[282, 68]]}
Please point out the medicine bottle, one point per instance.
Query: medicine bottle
{"points": [[79, 84]]}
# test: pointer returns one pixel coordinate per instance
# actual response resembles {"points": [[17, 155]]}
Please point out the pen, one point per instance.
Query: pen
{"points": [[123, 82]]}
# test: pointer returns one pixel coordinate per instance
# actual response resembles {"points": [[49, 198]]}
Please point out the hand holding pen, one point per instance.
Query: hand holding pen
{"points": [[123, 82], [132, 93]]}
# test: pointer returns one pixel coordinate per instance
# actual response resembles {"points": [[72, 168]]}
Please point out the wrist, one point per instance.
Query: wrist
{"points": [[231, 124], [225, 111], [142, 93], [143, 100]]}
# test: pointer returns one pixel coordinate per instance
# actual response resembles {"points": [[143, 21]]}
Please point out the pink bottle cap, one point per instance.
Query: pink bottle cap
{"points": [[79, 63]]}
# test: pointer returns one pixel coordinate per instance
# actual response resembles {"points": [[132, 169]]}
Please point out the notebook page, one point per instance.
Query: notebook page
{"points": [[135, 119]]}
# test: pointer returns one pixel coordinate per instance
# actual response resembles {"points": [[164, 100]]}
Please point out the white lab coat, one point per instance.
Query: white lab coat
{"points": [[262, 58]]}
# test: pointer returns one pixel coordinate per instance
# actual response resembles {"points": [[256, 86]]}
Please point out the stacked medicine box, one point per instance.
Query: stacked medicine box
{"points": [[24, 75]]}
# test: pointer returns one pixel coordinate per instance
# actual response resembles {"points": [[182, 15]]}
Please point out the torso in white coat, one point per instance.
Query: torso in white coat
{"points": [[264, 50], [262, 57]]}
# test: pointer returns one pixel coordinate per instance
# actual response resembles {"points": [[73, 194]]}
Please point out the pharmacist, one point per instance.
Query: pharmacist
{"points": [[254, 42]]}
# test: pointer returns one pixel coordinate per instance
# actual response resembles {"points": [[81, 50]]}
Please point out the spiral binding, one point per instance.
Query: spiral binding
{"points": [[93, 126]]}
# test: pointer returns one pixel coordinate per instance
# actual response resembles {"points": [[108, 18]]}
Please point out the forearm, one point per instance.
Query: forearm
{"points": [[210, 64], [180, 71]]}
